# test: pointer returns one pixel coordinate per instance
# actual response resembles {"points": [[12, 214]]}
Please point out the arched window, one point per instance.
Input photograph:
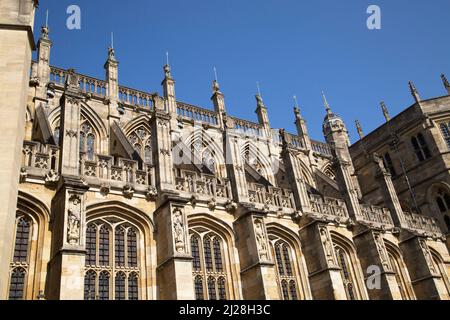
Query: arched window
{"points": [[141, 140], [209, 272], [399, 277], [87, 140], [20, 260], [445, 129], [285, 270], [120, 285], [421, 147], [113, 253], [389, 165], [443, 203], [89, 285], [441, 268], [346, 272]]}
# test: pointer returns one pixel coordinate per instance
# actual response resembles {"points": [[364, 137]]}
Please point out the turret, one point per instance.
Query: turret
{"points": [[300, 123], [446, 83], [112, 78], [261, 112], [218, 100], [168, 85]]}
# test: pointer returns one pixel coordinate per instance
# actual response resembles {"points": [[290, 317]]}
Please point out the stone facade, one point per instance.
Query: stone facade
{"points": [[131, 195]]}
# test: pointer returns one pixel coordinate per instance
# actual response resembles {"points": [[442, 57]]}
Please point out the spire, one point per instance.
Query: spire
{"points": [[297, 108], [385, 111], [359, 129], [216, 86], [326, 104], [167, 70], [414, 92], [446, 83], [259, 99]]}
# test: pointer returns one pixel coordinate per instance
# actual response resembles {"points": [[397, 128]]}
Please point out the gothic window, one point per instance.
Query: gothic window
{"points": [[421, 147], [20, 260], [285, 270], [195, 247], [209, 272], [441, 269], [445, 129], [17, 284], [401, 283], [112, 268], [346, 272], [89, 285], [120, 286], [87, 140], [56, 135], [141, 140], [389, 165], [443, 203], [103, 286]]}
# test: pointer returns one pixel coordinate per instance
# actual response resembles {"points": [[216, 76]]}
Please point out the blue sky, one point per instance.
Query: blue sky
{"points": [[289, 46]]}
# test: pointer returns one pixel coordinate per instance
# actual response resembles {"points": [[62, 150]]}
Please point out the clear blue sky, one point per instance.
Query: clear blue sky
{"points": [[289, 46]]}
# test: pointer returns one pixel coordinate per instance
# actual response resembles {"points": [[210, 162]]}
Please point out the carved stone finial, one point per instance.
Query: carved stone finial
{"points": [[385, 111], [446, 83], [359, 129], [414, 92], [259, 101], [45, 32], [216, 87], [167, 71]]}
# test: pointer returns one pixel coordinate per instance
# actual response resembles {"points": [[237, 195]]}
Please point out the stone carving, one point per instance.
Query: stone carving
{"points": [[212, 204], [231, 206], [72, 133], [327, 246], [178, 231], [105, 189], [52, 177], [128, 191], [74, 220], [428, 256], [23, 175], [261, 239], [382, 251], [151, 193]]}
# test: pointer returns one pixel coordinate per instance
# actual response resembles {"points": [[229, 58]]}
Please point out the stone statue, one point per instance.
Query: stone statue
{"points": [[261, 239], [73, 229], [327, 246], [178, 228]]}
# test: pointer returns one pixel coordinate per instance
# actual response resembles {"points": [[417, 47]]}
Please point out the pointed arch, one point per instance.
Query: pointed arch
{"points": [[28, 261], [351, 271], [438, 199], [98, 125], [133, 125], [327, 169], [442, 269], [213, 241], [279, 233], [207, 150], [401, 272], [255, 158], [120, 238]]}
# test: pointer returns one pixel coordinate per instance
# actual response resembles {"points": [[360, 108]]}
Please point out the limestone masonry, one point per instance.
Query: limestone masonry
{"points": [[113, 193]]}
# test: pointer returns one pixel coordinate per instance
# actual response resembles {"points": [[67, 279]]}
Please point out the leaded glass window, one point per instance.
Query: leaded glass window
{"points": [[112, 268], [17, 284], [285, 270], [141, 140], [346, 273], [209, 272]]}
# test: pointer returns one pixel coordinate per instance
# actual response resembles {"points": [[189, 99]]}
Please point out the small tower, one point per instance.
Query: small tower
{"points": [[385, 111], [336, 135], [43, 64], [300, 123], [112, 78], [335, 132], [168, 85], [359, 129], [414, 92], [261, 112], [446, 83], [218, 100]]}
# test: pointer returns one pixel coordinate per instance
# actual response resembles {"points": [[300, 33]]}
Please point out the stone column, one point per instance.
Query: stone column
{"points": [[324, 271], [70, 127], [235, 164], [295, 177], [258, 273], [174, 271], [422, 269], [16, 38], [162, 150], [372, 252], [66, 267]]}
